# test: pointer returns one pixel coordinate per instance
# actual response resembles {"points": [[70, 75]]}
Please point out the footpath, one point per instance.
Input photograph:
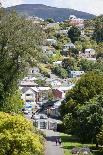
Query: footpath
{"points": [[51, 148]]}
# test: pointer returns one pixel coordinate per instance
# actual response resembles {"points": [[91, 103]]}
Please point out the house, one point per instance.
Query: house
{"points": [[51, 42], [48, 50], [33, 70], [57, 63], [27, 83], [55, 83], [74, 74], [74, 21], [52, 25], [43, 94], [89, 53], [30, 96], [60, 92], [62, 32], [68, 46], [35, 95]]}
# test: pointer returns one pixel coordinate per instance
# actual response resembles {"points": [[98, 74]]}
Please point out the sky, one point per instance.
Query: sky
{"points": [[90, 6]]}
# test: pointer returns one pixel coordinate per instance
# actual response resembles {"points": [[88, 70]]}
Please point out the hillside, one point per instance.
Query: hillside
{"points": [[43, 11]]}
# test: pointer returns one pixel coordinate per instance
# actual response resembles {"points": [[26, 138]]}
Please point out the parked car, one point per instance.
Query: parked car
{"points": [[26, 112]]}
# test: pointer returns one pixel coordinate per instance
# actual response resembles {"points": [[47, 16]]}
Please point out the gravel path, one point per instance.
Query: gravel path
{"points": [[51, 148]]}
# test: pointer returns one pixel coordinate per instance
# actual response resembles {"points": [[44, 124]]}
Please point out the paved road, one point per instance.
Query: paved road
{"points": [[51, 148]]}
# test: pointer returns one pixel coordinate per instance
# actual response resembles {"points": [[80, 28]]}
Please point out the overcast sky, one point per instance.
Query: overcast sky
{"points": [[91, 6]]}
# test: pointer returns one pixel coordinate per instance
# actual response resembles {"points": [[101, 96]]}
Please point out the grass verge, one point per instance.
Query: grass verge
{"points": [[70, 142]]}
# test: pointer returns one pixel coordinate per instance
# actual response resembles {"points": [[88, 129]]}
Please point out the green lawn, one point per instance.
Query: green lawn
{"points": [[70, 142]]}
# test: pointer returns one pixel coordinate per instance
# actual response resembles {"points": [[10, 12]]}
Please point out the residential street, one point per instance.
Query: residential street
{"points": [[51, 148]]}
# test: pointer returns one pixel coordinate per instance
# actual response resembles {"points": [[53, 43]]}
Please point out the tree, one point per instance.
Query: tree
{"points": [[50, 20], [74, 34], [98, 32], [78, 45], [13, 103], [69, 63], [20, 40], [87, 87], [99, 50], [86, 65], [100, 137], [89, 119], [59, 71], [18, 137]]}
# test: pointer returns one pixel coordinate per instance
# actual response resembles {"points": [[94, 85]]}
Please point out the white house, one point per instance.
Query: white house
{"points": [[74, 74], [55, 83], [89, 53], [48, 50], [58, 63], [28, 83], [51, 42], [30, 96], [69, 46]]}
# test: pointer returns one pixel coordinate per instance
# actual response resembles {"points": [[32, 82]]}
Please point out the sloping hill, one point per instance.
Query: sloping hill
{"points": [[43, 11]]}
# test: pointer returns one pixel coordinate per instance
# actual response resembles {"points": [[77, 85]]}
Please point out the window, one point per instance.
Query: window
{"points": [[28, 94]]}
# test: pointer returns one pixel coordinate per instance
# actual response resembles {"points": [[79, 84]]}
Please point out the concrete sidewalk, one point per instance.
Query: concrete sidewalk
{"points": [[51, 148]]}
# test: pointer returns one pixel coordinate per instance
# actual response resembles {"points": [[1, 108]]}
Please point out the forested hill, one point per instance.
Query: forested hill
{"points": [[43, 11]]}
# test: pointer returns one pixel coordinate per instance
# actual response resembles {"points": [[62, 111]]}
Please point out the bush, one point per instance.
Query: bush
{"points": [[17, 136]]}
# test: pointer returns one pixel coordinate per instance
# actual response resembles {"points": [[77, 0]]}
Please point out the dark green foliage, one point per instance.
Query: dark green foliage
{"points": [[86, 65], [74, 34], [82, 111], [87, 87], [100, 137], [50, 20], [89, 119], [98, 32], [19, 47], [61, 72]]}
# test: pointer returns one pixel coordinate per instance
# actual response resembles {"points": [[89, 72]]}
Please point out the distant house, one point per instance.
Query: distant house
{"points": [[60, 32], [66, 48], [52, 25], [33, 70], [51, 42], [49, 50], [74, 21], [89, 53], [74, 74], [34, 95], [30, 96], [58, 63], [55, 83], [43, 93], [60, 92], [28, 83]]}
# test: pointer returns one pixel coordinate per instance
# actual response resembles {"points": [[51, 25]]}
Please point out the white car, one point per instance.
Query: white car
{"points": [[26, 112]]}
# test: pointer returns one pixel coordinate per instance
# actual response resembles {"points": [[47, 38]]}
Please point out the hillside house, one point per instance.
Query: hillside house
{"points": [[51, 42], [89, 53], [30, 96], [48, 50], [67, 47], [60, 92], [74, 74], [52, 25], [57, 63], [74, 21]]}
